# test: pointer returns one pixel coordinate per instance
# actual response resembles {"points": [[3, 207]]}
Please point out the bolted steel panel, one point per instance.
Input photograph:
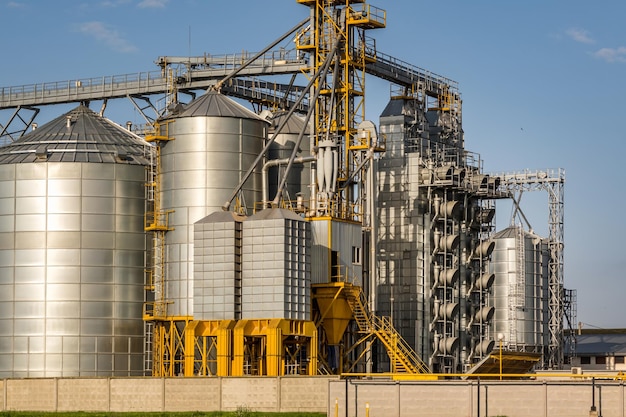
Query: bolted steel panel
{"points": [[65, 260], [200, 168]]}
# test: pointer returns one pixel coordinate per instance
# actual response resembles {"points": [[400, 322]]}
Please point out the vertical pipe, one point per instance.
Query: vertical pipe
{"points": [[478, 397], [486, 401], [356, 400], [373, 272], [593, 394], [346, 403], [399, 399], [500, 342]]}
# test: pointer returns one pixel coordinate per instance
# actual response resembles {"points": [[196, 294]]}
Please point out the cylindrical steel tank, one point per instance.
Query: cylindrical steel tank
{"points": [[72, 250], [520, 262], [214, 142], [299, 178]]}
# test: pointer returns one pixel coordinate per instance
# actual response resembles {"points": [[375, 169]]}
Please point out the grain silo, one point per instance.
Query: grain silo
{"points": [[214, 140], [72, 250], [520, 292], [298, 183]]}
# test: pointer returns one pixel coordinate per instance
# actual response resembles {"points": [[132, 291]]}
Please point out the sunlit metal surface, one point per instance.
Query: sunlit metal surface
{"points": [[213, 141], [72, 250]]}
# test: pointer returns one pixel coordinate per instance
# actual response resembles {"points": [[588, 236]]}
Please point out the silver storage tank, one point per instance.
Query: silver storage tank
{"points": [[299, 178], [520, 291], [72, 250], [215, 141]]}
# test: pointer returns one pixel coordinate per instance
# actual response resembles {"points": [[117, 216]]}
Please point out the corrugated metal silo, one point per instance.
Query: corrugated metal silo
{"points": [[72, 250], [215, 141], [520, 262]]}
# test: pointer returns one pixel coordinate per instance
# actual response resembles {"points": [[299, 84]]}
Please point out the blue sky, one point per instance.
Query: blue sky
{"points": [[542, 85]]}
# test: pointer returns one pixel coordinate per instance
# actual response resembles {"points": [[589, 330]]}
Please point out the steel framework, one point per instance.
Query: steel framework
{"points": [[148, 91], [335, 35], [551, 181]]}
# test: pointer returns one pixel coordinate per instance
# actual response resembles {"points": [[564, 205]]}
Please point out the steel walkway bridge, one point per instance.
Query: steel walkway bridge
{"points": [[189, 75]]}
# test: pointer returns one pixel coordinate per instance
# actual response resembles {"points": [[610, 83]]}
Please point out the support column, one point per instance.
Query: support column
{"points": [[238, 348], [274, 350], [189, 349], [224, 347]]}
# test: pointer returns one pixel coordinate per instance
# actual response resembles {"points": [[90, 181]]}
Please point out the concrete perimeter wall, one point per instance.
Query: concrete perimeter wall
{"points": [[282, 394], [350, 398], [337, 398]]}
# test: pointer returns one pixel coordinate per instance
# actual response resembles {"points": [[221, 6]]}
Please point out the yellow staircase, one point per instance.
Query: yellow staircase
{"points": [[403, 357]]}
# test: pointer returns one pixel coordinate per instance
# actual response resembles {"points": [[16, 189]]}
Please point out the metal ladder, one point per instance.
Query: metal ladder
{"points": [[148, 330]]}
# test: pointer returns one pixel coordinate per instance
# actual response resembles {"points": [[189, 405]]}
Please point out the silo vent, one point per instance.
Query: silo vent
{"points": [[41, 153], [122, 156]]}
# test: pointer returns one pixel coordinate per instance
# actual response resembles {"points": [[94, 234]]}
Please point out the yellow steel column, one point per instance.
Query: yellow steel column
{"points": [[189, 349], [158, 348], [238, 347], [274, 348], [312, 331], [224, 347]]}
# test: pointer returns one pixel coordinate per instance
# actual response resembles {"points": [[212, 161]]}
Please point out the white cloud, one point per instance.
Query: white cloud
{"points": [[110, 37], [579, 35], [145, 4], [15, 5], [612, 54]]}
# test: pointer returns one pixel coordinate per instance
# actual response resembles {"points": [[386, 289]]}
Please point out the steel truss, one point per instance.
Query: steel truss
{"points": [[551, 181]]}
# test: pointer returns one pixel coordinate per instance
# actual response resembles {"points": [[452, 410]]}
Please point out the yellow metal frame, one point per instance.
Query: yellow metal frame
{"points": [[168, 357], [340, 302], [264, 347], [266, 339], [168, 343], [208, 350], [274, 346], [348, 105], [156, 221]]}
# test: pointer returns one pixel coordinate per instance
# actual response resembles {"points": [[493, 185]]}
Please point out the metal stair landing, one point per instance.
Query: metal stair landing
{"points": [[403, 358]]}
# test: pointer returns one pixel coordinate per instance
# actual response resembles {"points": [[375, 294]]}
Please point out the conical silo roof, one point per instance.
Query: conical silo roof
{"points": [[509, 232], [294, 124], [215, 104], [512, 232], [81, 135]]}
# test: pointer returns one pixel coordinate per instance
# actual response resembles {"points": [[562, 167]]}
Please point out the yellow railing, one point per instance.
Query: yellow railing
{"points": [[157, 220], [155, 310], [364, 140], [159, 131], [367, 16], [400, 353]]}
